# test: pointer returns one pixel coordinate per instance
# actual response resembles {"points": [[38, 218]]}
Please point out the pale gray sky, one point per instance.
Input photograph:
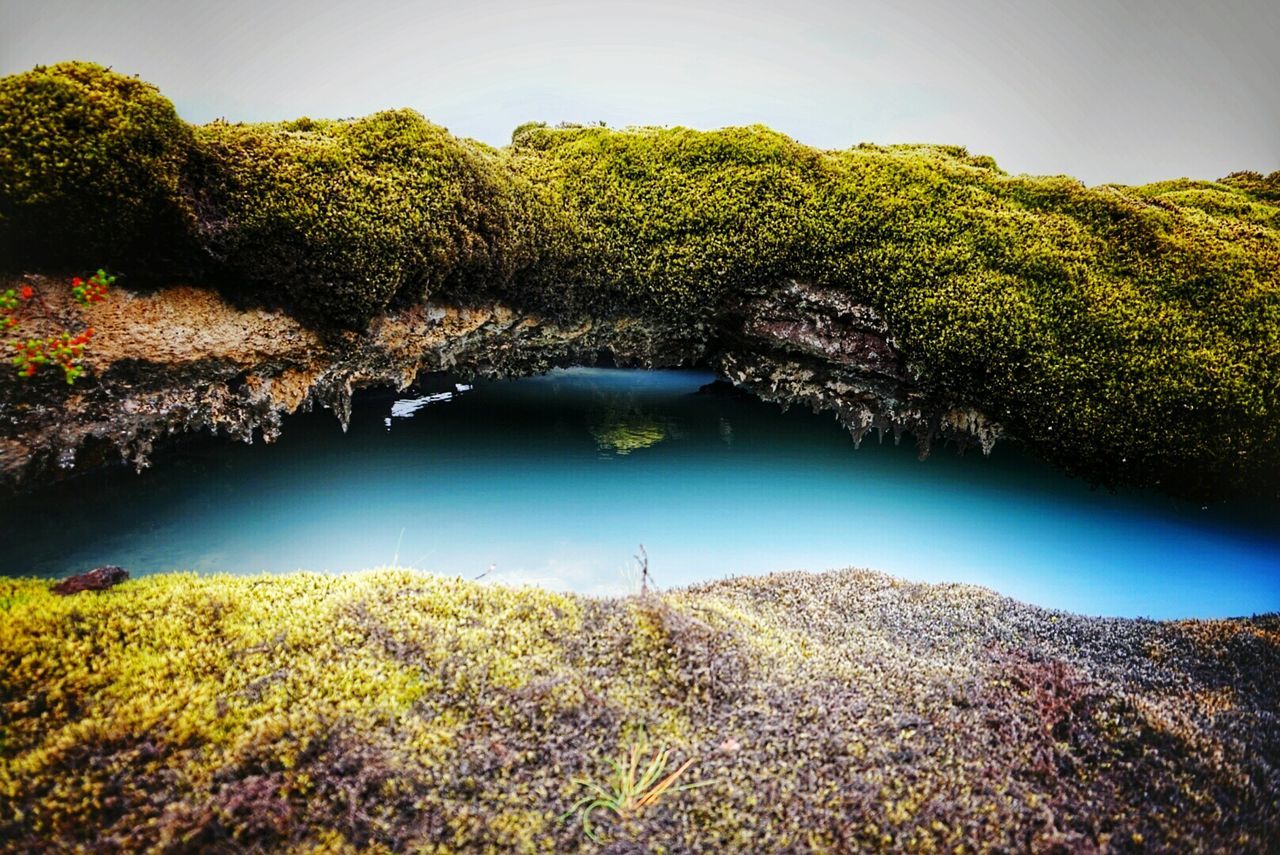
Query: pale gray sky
{"points": [[1107, 90]]}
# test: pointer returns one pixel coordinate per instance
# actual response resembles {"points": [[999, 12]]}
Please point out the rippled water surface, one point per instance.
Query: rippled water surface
{"points": [[556, 480]]}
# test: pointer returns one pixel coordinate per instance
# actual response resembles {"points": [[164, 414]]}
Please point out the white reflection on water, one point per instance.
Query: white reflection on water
{"points": [[406, 407]]}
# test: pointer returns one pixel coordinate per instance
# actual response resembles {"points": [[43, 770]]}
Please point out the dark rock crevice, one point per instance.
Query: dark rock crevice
{"points": [[803, 344]]}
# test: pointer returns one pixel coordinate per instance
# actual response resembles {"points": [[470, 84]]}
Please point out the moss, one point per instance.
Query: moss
{"points": [[1256, 184], [90, 164], [393, 711], [669, 222], [341, 218]]}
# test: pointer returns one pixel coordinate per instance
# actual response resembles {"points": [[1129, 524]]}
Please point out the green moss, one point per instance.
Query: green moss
{"points": [[342, 218], [670, 221], [90, 163], [396, 711], [1132, 334]]}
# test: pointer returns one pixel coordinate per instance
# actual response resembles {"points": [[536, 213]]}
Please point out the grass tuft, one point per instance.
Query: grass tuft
{"points": [[630, 789]]}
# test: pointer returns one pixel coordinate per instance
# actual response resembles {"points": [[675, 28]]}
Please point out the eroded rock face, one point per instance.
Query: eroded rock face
{"points": [[802, 344], [183, 360]]}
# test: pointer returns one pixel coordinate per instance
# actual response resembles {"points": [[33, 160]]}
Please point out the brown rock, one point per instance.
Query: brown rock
{"points": [[97, 579]]}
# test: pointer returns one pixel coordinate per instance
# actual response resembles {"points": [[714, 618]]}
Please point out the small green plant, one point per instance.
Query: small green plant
{"points": [[630, 789], [62, 349], [94, 290]]}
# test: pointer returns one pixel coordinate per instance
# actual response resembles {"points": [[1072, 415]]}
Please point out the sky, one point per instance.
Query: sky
{"points": [[1123, 91]]}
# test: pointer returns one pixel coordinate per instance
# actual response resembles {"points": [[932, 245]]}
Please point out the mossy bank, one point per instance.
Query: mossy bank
{"points": [[847, 711], [1131, 334]]}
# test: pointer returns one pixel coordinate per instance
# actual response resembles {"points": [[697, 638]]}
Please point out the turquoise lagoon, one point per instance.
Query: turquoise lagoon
{"points": [[556, 481]]}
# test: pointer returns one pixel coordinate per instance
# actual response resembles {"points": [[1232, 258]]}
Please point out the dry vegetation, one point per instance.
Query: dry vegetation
{"points": [[844, 711]]}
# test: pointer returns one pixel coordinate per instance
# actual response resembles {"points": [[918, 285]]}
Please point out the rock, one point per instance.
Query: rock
{"points": [[97, 579], [792, 342], [800, 344], [251, 367]]}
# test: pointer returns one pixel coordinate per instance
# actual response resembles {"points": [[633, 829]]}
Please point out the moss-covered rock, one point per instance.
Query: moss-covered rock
{"points": [[670, 222], [396, 711], [90, 167], [1131, 334]]}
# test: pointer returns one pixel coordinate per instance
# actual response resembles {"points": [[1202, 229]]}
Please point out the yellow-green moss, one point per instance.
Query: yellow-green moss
{"points": [[393, 710], [1132, 334], [88, 160], [340, 218]]}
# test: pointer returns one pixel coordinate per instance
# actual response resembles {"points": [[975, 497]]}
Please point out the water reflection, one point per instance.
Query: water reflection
{"points": [[622, 432], [404, 408]]}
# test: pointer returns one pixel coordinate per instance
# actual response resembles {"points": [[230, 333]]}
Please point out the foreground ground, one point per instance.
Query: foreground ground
{"points": [[391, 710]]}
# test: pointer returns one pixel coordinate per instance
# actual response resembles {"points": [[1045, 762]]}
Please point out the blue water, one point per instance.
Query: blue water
{"points": [[557, 480]]}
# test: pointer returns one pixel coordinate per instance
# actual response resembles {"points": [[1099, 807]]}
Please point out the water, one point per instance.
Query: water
{"points": [[556, 480]]}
